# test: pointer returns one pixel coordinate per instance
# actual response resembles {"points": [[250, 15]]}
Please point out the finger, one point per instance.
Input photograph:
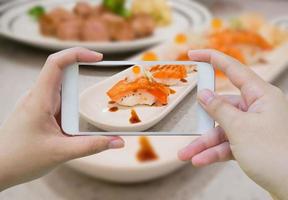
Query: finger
{"points": [[80, 146], [221, 111], [50, 78], [235, 100], [214, 137], [251, 85], [219, 153], [52, 71]]}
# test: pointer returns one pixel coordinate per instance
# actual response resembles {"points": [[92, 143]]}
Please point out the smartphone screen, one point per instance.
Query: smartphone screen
{"points": [[147, 97]]}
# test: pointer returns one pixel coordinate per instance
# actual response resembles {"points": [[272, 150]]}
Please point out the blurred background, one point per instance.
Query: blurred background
{"points": [[252, 31]]}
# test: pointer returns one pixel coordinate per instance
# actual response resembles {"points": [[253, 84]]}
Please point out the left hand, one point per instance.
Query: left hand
{"points": [[31, 140]]}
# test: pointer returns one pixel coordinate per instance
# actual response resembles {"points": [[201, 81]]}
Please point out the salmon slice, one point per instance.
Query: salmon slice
{"points": [[169, 71], [239, 37], [141, 87]]}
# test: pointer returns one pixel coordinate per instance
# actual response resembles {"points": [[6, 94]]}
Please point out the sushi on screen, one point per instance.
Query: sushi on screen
{"points": [[149, 86]]}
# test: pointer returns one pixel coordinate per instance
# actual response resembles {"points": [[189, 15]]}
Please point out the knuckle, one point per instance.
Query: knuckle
{"points": [[216, 105], [78, 49], [213, 51], [52, 58]]}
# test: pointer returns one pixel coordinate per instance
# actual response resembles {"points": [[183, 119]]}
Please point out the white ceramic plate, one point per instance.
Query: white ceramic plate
{"points": [[17, 25]]}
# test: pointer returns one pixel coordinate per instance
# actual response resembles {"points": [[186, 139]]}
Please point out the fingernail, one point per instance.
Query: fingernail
{"points": [[100, 54], [206, 96], [116, 143]]}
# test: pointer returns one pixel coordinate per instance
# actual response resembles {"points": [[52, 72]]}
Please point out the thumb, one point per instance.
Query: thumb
{"points": [[219, 109], [80, 146]]}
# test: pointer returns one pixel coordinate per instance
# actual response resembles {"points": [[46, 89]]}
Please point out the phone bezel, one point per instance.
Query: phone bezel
{"points": [[70, 98]]}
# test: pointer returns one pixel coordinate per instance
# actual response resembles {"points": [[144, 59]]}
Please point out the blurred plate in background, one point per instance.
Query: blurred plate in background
{"points": [[17, 25]]}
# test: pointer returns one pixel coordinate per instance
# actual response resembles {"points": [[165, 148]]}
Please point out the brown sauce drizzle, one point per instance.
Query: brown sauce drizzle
{"points": [[172, 91], [183, 80], [111, 102], [113, 109], [157, 104], [146, 151], [262, 61], [134, 117]]}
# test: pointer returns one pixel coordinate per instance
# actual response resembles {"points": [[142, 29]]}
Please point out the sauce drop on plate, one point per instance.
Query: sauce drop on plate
{"points": [[146, 151], [111, 102], [134, 117], [172, 91], [113, 109], [183, 80]]}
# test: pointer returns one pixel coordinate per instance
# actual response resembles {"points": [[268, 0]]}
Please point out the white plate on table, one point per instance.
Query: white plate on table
{"points": [[17, 25]]}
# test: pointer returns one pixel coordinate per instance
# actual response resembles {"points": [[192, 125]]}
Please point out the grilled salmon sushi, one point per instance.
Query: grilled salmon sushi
{"points": [[170, 74], [141, 91]]}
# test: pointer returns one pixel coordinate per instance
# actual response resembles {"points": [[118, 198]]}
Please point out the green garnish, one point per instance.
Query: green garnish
{"points": [[36, 12], [117, 7], [236, 23]]}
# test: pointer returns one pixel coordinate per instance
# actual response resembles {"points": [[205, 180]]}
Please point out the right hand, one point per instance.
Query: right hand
{"points": [[253, 127]]}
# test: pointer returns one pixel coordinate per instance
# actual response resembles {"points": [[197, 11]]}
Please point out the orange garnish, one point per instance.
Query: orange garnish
{"points": [[149, 56], [180, 38], [216, 23], [136, 69]]}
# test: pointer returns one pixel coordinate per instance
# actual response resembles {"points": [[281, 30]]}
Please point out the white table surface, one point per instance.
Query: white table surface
{"points": [[19, 67]]}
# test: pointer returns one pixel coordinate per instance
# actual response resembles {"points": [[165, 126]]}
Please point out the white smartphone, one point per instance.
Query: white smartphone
{"points": [[147, 98]]}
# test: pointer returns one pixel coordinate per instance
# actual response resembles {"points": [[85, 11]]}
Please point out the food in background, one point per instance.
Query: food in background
{"points": [[149, 56], [146, 151], [180, 38], [117, 7], [247, 38], [143, 25], [158, 9], [109, 21], [246, 46], [36, 12]]}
